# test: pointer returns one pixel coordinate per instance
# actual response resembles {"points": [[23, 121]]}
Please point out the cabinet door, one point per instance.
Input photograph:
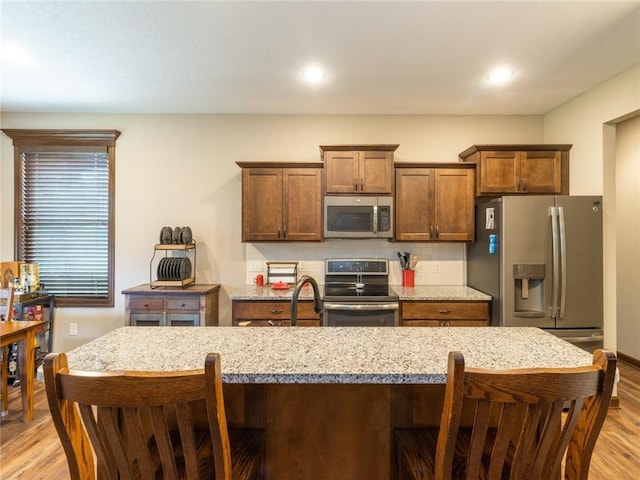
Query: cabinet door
{"points": [[413, 209], [454, 209], [376, 172], [147, 319], [262, 204], [541, 172], [342, 172], [183, 319], [302, 197], [499, 171]]}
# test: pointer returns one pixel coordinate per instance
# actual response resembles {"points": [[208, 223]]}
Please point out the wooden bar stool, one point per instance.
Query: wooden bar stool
{"points": [[520, 429], [141, 425]]}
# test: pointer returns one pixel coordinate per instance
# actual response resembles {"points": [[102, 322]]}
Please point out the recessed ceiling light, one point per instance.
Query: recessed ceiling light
{"points": [[313, 74], [15, 55], [499, 76]]}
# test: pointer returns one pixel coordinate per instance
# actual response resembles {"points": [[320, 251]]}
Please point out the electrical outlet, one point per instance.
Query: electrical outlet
{"points": [[436, 267], [302, 265], [255, 266], [73, 329]]}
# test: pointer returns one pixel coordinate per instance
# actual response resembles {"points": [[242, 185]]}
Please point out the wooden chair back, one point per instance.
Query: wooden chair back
{"points": [[6, 309], [140, 425], [521, 429]]}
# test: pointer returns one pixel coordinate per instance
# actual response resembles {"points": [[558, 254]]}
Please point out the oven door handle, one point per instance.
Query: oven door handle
{"points": [[361, 306]]}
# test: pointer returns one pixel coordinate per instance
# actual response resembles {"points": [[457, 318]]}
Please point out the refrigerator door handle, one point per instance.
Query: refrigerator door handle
{"points": [[555, 252], [563, 262]]}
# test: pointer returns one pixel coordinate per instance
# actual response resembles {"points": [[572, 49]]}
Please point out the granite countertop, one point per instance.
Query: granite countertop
{"points": [[450, 293], [377, 355]]}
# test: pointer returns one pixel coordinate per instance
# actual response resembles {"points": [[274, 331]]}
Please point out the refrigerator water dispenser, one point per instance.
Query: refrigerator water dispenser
{"points": [[528, 290]]}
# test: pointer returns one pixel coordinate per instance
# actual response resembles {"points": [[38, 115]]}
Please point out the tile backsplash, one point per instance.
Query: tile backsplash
{"points": [[438, 263]]}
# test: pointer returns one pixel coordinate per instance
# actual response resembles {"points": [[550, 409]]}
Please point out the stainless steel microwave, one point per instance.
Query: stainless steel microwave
{"points": [[352, 216]]}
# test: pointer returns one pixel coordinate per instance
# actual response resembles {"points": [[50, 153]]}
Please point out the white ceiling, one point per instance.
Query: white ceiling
{"points": [[385, 57]]}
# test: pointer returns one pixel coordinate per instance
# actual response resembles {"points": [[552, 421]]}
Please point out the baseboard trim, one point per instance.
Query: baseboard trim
{"points": [[629, 359]]}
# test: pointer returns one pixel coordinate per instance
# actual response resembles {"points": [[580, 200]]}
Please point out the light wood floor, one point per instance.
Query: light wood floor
{"points": [[34, 452]]}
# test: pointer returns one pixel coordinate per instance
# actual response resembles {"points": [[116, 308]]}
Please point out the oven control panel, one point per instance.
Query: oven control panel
{"points": [[365, 266]]}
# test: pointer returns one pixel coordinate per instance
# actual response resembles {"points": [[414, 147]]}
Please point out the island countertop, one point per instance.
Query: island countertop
{"points": [[344, 355]]}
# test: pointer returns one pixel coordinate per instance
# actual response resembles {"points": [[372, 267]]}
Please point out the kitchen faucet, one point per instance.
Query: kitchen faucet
{"points": [[317, 301]]}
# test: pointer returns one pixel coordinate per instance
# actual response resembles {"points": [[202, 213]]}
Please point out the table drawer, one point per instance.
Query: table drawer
{"points": [[183, 303], [146, 303], [445, 310]]}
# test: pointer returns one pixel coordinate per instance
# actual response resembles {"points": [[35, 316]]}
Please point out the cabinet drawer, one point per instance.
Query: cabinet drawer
{"points": [[275, 323], [271, 311], [146, 303], [183, 303], [261, 310], [445, 310]]}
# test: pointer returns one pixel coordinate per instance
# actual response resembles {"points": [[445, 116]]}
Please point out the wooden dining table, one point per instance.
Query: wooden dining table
{"points": [[22, 332]]}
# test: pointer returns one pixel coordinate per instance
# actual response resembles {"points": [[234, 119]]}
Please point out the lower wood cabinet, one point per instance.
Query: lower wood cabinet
{"points": [[444, 314], [178, 307], [251, 313]]}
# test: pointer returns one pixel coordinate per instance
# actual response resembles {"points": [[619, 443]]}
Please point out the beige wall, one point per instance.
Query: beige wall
{"points": [[589, 123], [180, 170], [628, 236]]}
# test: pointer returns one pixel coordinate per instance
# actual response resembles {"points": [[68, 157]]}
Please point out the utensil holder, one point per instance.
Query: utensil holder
{"points": [[408, 278]]}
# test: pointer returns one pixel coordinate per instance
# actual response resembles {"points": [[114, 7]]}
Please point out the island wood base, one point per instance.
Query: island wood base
{"points": [[327, 431]]}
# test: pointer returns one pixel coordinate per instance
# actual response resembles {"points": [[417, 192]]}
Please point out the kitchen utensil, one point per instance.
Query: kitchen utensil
{"points": [[280, 286], [166, 235], [186, 236], [176, 237], [403, 263]]}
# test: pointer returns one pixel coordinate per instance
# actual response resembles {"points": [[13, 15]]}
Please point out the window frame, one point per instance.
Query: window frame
{"points": [[26, 139]]}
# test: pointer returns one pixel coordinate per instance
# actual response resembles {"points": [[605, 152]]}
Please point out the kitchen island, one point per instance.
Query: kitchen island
{"points": [[328, 398]]}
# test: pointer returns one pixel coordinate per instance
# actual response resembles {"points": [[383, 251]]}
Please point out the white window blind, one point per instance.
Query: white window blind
{"points": [[65, 220]]}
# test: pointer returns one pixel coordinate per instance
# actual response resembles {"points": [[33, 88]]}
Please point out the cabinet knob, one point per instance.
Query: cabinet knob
{"points": [[276, 311], [355, 184], [437, 232], [284, 232], [444, 311]]}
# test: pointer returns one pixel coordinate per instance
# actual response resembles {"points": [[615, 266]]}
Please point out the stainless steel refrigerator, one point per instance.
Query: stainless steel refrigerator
{"points": [[540, 258]]}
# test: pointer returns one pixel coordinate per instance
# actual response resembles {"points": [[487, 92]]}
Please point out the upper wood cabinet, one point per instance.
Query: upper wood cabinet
{"points": [[281, 201], [434, 202], [520, 169], [357, 169]]}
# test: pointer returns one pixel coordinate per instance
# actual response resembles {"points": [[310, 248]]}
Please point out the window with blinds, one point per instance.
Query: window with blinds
{"points": [[64, 216]]}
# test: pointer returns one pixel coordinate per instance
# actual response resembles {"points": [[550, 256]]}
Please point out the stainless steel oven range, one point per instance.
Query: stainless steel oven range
{"points": [[357, 293]]}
